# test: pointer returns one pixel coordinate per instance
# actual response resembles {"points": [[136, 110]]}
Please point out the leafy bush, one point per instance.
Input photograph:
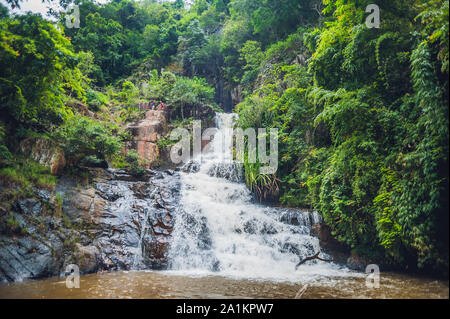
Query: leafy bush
{"points": [[182, 92], [136, 166], [189, 92], [87, 141], [27, 173], [364, 133], [38, 65], [129, 94], [5, 155], [94, 100]]}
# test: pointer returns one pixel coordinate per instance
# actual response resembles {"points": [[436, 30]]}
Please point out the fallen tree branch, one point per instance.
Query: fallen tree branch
{"points": [[301, 292], [316, 256]]}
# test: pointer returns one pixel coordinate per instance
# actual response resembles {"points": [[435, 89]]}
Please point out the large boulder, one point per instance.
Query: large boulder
{"points": [[87, 258], [30, 256], [111, 223], [135, 227], [45, 152], [357, 262], [146, 134], [29, 207]]}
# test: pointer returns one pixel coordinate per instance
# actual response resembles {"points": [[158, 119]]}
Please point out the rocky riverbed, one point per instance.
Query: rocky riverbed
{"points": [[115, 222]]}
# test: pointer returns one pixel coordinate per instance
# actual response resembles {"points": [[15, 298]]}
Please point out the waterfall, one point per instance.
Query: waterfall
{"points": [[221, 230]]}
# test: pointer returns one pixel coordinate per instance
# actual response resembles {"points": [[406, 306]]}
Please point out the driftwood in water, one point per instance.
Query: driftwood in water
{"points": [[301, 292], [316, 256]]}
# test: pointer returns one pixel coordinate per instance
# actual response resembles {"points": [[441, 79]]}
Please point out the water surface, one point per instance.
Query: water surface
{"points": [[167, 285]]}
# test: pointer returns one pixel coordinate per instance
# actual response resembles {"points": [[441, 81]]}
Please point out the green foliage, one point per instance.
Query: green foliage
{"points": [[123, 34], [191, 91], [37, 66], [346, 193], [86, 141], [136, 165], [10, 225], [87, 65], [264, 186], [252, 55], [5, 155], [129, 94], [95, 100], [58, 205], [165, 143], [26, 173], [181, 92], [189, 45], [3, 11], [436, 20], [363, 127], [160, 87]]}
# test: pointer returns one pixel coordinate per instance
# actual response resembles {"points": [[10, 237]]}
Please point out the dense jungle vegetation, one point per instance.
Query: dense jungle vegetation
{"points": [[362, 112]]}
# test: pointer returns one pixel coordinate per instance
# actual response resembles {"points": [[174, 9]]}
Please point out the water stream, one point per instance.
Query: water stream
{"points": [[222, 230], [226, 245]]}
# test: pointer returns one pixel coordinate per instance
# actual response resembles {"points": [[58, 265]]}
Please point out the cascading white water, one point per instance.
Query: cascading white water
{"points": [[221, 231]]}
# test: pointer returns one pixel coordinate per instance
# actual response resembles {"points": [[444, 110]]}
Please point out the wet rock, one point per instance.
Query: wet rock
{"points": [[160, 231], [169, 172], [105, 225], [159, 175], [87, 258], [255, 226], [43, 195], [29, 207], [268, 229], [356, 262], [249, 228], [20, 220], [99, 174], [156, 251], [339, 254], [127, 177], [323, 232], [78, 205], [215, 266], [140, 190], [296, 217], [191, 167], [231, 172], [198, 228], [140, 220], [108, 192], [205, 241], [291, 248], [290, 218], [27, 258]]}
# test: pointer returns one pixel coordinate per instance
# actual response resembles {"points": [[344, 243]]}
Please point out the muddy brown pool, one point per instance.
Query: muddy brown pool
{"points": [[163, 285]]}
